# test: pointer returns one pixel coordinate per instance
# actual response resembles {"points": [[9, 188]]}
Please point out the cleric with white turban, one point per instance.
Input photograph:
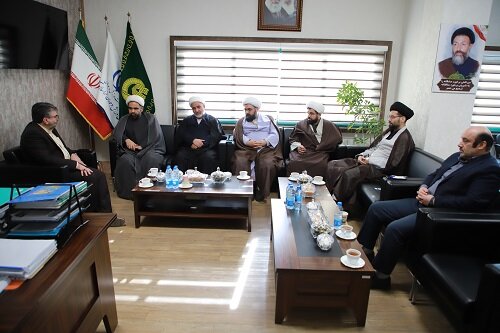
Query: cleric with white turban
{"points": [[135, 98]]}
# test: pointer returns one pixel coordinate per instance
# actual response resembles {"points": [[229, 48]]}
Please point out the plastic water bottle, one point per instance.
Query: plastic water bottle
{"points": [[168, 177], [337, 216], [341, 209], [175, 177], [290, 197], [298, 197]]}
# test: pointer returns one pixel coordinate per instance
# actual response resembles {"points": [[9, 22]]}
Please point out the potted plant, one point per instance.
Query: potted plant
{"points": [[366, 123]]}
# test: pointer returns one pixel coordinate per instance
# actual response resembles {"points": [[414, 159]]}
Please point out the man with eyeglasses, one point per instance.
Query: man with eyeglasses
{"points": [[140, 146], [467, 180], [387, 155], [42, 144]]}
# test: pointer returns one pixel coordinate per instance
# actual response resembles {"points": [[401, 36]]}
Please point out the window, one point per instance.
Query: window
{"points": [[283, 73], [487, 103]]}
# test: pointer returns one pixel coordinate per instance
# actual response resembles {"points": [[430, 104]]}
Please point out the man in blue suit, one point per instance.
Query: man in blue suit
{"points": [[467, 180]]}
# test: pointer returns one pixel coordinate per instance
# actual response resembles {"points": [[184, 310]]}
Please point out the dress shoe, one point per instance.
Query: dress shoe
{"points": [[381, 284], [118, 222]]}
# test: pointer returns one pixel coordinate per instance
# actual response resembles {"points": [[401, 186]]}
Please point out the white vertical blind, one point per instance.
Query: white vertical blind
{"points": [[487, 103], [284, 76]]}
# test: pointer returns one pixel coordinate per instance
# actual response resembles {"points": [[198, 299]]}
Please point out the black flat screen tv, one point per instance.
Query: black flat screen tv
{"points": [[33, 35]]}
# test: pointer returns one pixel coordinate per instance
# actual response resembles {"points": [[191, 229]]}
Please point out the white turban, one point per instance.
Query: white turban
{"points": [[318, 107], [252, 100], [196, 99], [135, 98]]}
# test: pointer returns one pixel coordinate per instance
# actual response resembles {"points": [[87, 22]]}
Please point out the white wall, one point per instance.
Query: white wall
{"points": [[154, 21], [440, 117]]}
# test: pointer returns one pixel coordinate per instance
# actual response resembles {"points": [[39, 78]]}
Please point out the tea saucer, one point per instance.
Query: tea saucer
{"points": [[359, 264], [318, 183], [292, 179], [152, 174], [340, 234], [146, 186], [185, 186], [243, 178]]}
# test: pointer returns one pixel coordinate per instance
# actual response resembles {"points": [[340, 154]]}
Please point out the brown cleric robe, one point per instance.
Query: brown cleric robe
{"points": [[317, 154], [268, 160], [344, 176]]}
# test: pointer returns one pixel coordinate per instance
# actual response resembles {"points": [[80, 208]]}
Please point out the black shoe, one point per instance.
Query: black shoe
{"points": [[381, 284], [118, 222]]}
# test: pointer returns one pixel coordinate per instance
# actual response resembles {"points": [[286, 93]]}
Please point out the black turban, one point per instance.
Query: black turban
{"points": [[402, 109], [464, 31]]}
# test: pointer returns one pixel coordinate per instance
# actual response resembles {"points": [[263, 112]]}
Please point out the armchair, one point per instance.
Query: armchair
{"points": [[16, 171], [455, 256]]}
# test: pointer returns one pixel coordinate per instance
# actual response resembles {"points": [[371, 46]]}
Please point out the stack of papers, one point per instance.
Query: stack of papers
{"points": [[23, 258]]}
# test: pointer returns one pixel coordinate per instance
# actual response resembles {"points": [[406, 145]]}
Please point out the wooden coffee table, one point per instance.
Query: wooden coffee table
{"points": [[308, 277], [230, 200]]}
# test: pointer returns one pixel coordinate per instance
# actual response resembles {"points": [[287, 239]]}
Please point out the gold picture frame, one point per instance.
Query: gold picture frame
{"points": [[280, 15]]}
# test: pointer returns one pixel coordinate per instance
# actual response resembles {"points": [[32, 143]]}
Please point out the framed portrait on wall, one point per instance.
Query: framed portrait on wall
{"points": [[281, 15], [459, 56]]}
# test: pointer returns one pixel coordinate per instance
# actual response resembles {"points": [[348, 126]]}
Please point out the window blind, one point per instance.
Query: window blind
{"points": [[487, 102], [284, 76]]}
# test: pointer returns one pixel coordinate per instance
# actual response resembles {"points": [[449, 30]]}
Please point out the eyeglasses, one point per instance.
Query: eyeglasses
{"points": [[54, 116], [392, 117]]}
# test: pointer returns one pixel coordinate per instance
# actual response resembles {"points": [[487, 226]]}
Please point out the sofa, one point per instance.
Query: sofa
{"points": [[455, 257]]}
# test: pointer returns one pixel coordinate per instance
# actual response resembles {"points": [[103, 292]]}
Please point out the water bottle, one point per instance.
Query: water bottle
{"points": [[341, 209], [290, 197], [168, 177], [337, 216], [175, 177], [298, 197]]}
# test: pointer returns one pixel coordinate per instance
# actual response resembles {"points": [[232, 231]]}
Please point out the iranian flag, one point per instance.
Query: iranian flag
{"points": [[84, 85]]}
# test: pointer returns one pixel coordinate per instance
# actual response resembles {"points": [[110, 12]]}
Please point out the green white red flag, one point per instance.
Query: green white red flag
{"points": [[84, 84]]}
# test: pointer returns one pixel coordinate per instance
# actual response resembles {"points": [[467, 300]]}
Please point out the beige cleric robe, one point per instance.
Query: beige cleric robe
{"points": [[344, 176], [268, 160], [317, 154]]}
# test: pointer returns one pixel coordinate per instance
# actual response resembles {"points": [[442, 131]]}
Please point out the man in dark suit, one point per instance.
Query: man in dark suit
{"points": [[467, 180], [42, 144]]}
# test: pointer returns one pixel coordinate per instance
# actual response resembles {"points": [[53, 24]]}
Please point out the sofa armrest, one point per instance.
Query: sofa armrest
{"points": [[29, 175], [487, 302], [88, 156], [456, 232], [391, 189]]}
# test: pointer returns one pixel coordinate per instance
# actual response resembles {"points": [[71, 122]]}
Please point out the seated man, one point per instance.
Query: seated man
{"points": [[312, 141], [42, 144], [388, 154], [258, 148], [140, 146], [197, 138], [467, 180]]}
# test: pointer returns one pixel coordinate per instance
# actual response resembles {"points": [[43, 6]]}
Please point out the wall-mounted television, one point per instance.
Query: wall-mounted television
{"points": [[33, 35]]}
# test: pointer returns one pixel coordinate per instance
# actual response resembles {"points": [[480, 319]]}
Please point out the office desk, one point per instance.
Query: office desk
{"points": [[73, 292]]}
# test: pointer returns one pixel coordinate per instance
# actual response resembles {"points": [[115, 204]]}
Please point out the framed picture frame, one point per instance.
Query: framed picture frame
{"points": [[280, 15]]}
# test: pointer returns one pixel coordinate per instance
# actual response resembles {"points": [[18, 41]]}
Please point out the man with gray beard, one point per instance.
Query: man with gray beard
{"points": [[275, 14], [460, 66]]}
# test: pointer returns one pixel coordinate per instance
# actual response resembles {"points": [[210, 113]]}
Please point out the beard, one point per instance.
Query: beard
{"points": [[311, 122], [250, 118], [459, 58], [135, 115], [392, 127], [273, 8]]}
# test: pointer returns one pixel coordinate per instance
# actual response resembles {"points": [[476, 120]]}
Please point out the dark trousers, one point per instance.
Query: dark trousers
{"points": [[205, 160], [399, 218], [100, 200]]}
